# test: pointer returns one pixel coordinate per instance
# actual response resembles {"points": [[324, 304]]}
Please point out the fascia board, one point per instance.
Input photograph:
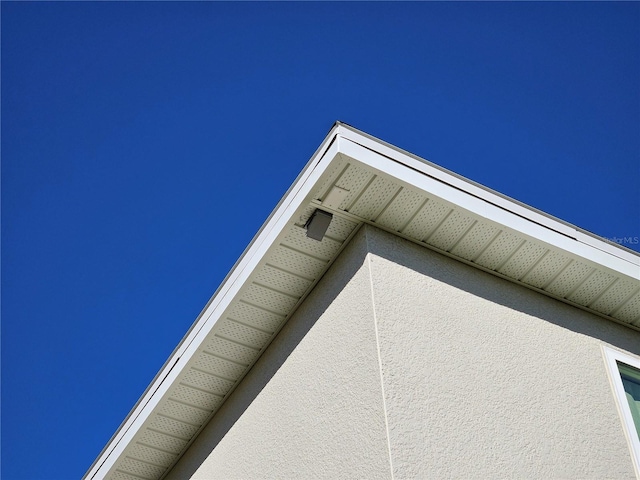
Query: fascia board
{"points": [[607, 246], [296, 196], [485, 193], [407, 171]]}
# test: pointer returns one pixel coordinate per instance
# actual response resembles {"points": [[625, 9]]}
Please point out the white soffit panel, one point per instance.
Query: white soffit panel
{"points": [[360, 180]]}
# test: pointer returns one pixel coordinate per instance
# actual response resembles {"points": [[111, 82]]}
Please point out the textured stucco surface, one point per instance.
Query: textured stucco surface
{"points": [[487, 379], [312, 406], [404, 363]]}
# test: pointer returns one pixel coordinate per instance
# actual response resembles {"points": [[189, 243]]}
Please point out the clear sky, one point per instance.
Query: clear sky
{"points": [[144, 144]]}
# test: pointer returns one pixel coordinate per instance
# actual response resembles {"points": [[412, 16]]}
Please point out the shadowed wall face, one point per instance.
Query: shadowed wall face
{"points": [[311, 407], [405, 361]]}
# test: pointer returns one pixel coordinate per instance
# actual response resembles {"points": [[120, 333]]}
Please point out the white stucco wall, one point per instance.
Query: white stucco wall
{"points": [[487, 379], [404, 363]]}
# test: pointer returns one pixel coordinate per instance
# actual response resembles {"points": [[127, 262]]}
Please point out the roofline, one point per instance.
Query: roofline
{"points": [[187, 340], [407, 168], [492, 196], [484, 203]]}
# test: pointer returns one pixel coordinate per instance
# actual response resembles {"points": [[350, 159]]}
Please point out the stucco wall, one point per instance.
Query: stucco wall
{"points": [[404, 362], [487, 379]]}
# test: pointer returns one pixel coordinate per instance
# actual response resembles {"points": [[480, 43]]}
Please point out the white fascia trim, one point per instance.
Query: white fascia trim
{"points": [[297, 196], [481, 202], [611, 357], [484, 193]]}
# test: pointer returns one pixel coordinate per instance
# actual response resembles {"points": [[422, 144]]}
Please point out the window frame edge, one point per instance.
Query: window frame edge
{"points": [[612, 357]]}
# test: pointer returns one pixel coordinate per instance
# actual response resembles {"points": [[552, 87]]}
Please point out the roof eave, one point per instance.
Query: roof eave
{"points": [[408, 170], [280, 215]]}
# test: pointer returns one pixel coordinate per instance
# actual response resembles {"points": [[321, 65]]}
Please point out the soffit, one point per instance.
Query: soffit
{"points": [[542, 262], [399, 193]]}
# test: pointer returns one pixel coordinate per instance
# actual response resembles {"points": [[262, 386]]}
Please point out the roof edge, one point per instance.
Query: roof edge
{"points": [[163, 374], [508, 204], [488, 194], [401, 165]]}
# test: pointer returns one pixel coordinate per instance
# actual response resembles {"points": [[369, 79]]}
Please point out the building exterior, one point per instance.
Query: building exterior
{"points": [[435, 329]]}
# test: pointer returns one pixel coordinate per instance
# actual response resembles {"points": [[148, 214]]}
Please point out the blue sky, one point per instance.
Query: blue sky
{"points": [[143, 145]]}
